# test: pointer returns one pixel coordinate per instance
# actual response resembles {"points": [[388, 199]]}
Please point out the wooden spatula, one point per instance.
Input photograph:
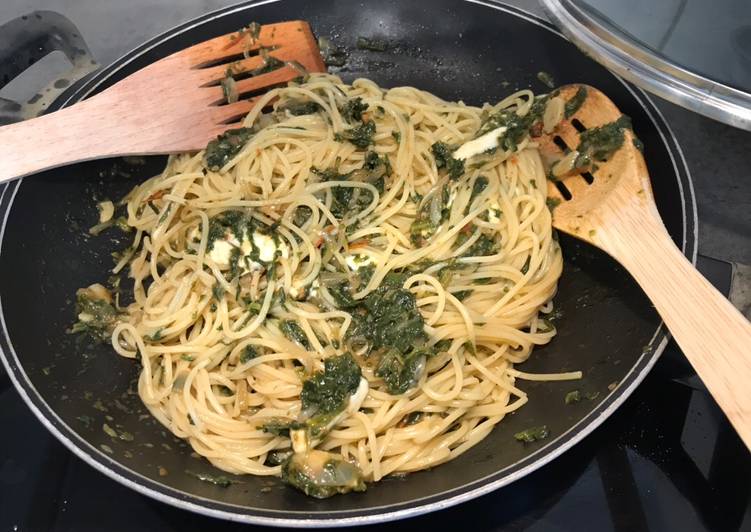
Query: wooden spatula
{"points": [[612, 207], [175, 104]]}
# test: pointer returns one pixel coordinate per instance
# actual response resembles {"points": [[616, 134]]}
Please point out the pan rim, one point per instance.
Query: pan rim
{"points": [[181, 499]]}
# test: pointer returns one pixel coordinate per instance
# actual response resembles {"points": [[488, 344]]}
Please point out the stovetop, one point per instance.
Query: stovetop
{"points": [[666, 460]]}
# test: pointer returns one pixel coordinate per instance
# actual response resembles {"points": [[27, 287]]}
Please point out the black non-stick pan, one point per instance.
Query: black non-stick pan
{"points": [[473, 51]]}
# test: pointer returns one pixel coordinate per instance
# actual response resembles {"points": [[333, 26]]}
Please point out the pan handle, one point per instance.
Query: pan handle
{"points": [[26, 40]]}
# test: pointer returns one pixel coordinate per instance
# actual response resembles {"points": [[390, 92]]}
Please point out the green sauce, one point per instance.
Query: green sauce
{"points": [[599, 143], [575, 102]]}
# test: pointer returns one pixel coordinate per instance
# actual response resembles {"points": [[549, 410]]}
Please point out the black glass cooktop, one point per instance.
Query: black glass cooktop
{"points": [[666, 460]]}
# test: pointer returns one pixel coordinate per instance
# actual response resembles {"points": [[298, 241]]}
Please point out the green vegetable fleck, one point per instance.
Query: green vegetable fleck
{"points": [[546, 79], [218, 480], [300, 107], [292, 330], [352, 110], [328, 391], [361, 135], [321, 474], [533, 434], [373, 44], [221, 150], [445, 160], [573, 397], [248, 354], [575, 102], [96, 314], [599, 143]]}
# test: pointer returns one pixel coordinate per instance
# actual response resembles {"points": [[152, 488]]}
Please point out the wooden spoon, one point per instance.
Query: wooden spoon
{"points": [[616, 212], [174, 104]]}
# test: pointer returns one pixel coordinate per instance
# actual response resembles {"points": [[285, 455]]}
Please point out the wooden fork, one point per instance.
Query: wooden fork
{"points": [[175, 104], [617, 213]]}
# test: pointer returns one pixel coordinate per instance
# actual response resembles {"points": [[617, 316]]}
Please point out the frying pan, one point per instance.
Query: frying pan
{"points": [[470, 50]]}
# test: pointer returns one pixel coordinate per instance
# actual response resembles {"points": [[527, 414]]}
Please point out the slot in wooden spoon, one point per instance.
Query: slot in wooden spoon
{"points": [[616, 212]]}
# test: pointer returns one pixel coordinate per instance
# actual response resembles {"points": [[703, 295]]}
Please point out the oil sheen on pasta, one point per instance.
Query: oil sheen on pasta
{"points": [[328, 295]]}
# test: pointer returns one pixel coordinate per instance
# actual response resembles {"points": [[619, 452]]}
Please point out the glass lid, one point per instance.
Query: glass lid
{"points": [[694, 53]]}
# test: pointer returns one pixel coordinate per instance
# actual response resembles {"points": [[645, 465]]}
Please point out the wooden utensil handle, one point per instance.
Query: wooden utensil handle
{"points": [[105, 125], [714, 335], [71, 134]]}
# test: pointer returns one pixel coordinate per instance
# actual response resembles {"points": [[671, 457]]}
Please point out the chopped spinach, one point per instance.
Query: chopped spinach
{"points": [[445, 160], [352, 110], [525, 266], [361, 135], [533, 434], [424, 227], [462, 294], [401, 371], [217, 291], [410, 419], [321, 474], [517, 127], [546, 79], [328, 391], [96, 315], [86, 420], [387, 318], [332, 55], [599, 143], [248, 354], [277, 457], [377, 165], [218, 480], [277, 427], [483, 246], [575, 102], [373, 44], [235, 221], [302, 215], [387, 323], [221, 150], [300, 107], [480, 184], [573, 397], [344, 202], [552, 203], [292, 330]]}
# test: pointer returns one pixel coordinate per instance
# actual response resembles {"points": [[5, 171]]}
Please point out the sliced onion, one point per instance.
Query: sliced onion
{"points": [[367, 176], [229, 87], [106, 211], [298, 67], [327, 278], [565, 166], [553, 114], [436, 206]]}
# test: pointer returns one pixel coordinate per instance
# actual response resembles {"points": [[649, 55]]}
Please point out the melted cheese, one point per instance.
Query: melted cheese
{"points": [[481, 144]]}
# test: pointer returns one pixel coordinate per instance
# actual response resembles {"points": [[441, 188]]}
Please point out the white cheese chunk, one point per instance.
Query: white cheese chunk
{"points": [[481, 144], [494, 213], [266, 246], [221, 252]]}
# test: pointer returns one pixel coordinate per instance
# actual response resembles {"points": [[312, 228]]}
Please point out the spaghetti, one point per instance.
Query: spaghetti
{"points": [[329, 294]]}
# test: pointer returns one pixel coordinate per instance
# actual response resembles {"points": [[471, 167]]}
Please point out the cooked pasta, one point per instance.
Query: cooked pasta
{"points": [[331, 293]]}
